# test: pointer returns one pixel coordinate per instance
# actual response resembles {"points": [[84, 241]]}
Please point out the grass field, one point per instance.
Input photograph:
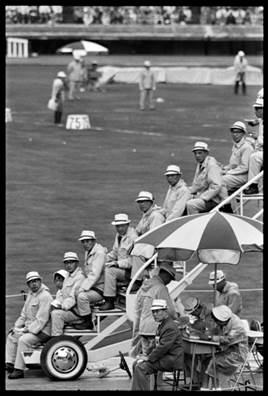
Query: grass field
{"points": [[59, 182]]}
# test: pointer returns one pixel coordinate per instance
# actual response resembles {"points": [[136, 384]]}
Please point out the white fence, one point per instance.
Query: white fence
{"points": [[17, 48]]}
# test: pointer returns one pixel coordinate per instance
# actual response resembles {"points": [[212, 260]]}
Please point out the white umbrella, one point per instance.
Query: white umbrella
{"points": [[88, 46]]}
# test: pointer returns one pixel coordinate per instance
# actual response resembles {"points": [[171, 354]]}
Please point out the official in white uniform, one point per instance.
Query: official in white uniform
{"points": [[147, 85], [31, 328], [208, 188], [65, 310], [236, 172], [118, 266], [256, 158], [91, 289], [177, 195]]}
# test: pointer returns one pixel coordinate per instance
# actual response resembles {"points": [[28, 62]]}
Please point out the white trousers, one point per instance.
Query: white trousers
{"points": [[147, 95], [255, 164], [84, 299], [195, 205], [59, 318], [234, 181], [16, 344]]}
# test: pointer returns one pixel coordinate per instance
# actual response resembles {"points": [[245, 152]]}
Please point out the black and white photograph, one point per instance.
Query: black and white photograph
{"points": [[134, 198]]}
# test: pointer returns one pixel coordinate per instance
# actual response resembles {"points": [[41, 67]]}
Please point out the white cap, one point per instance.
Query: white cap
{"points": [[239, 125], [259, 102], [222, 312], [173, 170], [86, 234], [76, 54], [61, 74], [120, 218], [200, 146], [260, 94], [68, 256], [241, 53], [145, 196], [32, 275], [61, 272], [158, 304], [190, 304], [219, 277], [147, 63]]}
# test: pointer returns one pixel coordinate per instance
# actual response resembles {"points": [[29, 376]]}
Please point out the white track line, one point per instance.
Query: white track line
{"points": [[135, 132]]}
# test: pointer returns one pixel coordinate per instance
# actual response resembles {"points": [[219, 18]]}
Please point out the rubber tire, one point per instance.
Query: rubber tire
{"points": [[49, 349]]}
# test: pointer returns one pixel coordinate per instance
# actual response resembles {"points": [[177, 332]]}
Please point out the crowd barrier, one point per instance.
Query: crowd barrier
{"points": [[191, 75]]}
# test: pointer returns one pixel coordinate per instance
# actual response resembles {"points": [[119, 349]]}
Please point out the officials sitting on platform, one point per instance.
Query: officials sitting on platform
{"points": [[118, 267], [208, 188], [91, 289], [64, 310], [31, 328], [233, 346], [235, 174], [227, 292], [166, 353], [177, 195]]}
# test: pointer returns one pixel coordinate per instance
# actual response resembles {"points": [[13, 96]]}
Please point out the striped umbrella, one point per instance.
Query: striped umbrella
{"points": [[217, 237]]}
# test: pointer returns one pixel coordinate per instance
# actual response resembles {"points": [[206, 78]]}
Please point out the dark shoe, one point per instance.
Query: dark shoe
{"points": [[86, 325], [9, 367], [107, 306], [253, 189], [16, 374]]}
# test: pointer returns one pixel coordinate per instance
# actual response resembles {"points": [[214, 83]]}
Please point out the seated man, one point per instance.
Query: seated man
{"points": [[256, 158], [227, 293], [235, 174], [200, 324], [208, 188], [233, 347], [177, 195], [91, 289], [145, 326], [167, 352], [118, 266], [152, 216], [31, 328], [64, 309], [58, 279], [203, 324]]}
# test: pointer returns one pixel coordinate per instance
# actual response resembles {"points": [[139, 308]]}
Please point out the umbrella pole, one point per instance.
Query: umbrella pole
{"points": [[215, 284]]}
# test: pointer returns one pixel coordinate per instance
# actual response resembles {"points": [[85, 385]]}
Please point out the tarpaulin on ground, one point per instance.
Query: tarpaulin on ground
{"points": [[191, 75]]}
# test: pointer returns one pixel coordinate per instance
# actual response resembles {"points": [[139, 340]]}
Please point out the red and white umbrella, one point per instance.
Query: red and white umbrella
{"points": [[217, 237]]}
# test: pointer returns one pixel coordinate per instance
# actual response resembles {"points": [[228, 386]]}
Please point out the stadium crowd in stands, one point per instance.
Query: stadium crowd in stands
{"points": [[131, 15]]}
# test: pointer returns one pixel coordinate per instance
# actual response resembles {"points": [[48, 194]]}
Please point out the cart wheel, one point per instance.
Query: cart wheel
{"points": [[123, 364], [63, 358]]}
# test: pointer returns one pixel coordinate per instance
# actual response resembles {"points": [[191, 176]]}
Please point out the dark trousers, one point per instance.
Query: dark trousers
{"points": [[57, 117], [240, 79]]}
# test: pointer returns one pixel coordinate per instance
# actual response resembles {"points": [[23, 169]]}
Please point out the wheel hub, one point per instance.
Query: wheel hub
{"points": [[64, 359]]}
